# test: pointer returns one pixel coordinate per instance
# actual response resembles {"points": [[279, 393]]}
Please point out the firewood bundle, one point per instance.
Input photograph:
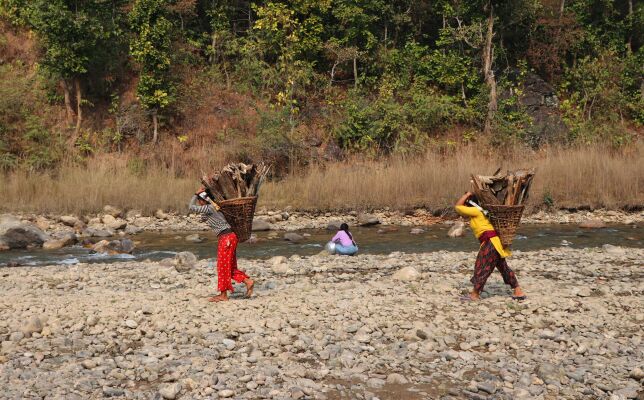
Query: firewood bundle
{"points": [[510, 189], [235, 181]]}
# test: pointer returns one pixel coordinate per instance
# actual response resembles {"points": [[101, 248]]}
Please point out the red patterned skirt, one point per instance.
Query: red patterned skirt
{"points": [[227, 262], [488, 259]]}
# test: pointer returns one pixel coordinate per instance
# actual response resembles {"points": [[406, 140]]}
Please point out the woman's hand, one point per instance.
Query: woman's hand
{"points": [[464, 198]]}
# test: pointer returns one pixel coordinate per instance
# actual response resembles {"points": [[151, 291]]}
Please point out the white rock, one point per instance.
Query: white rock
{"points": [[170, 392], [407, 274], [130, 323], [457, 230], [396, 379]]}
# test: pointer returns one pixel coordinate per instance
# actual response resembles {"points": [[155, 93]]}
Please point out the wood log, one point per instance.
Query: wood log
{"points": [[227, 185]]}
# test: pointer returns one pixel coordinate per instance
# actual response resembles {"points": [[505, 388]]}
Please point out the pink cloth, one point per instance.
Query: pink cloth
{"points": [[343, 237]]}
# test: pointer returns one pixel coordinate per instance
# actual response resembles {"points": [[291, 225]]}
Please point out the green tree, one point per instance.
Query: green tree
{"points": [[73, 35], [151, 47]]}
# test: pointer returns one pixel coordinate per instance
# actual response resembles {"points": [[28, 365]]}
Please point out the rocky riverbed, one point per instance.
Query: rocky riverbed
{"points": [[364, 327]]}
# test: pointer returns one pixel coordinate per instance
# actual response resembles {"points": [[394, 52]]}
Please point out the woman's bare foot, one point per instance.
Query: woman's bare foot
{"points": [[518, 293], [221, 297], [474, 295], [250, 284]]}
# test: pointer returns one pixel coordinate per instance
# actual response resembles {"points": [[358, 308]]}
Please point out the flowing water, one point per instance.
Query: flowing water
{"points": [[156, 246]]}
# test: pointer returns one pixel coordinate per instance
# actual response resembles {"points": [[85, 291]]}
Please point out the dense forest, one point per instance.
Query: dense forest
{"points": [[292, 81]]}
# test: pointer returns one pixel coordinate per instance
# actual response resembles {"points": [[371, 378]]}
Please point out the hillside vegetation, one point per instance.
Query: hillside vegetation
{"points": [[170, 88]]}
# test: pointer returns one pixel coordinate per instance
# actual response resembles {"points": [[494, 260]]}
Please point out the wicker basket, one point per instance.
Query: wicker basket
{"points": [[239, 214], [505, 220]]}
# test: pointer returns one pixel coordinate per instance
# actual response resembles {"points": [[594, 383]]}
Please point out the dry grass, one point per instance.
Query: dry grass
{"points": [[583, 177]]}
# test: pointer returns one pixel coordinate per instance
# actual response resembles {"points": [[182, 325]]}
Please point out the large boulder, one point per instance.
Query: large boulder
{"points": [[333, 225], [121, 246], [457, 230], [367, 220], [64, 240], [19, 235], [114, 223], [261, 225], [113, 211], [69, 220]]}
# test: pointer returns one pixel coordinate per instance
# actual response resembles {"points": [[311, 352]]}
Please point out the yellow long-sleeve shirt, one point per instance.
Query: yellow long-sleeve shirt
{"points": [[479, 224]]}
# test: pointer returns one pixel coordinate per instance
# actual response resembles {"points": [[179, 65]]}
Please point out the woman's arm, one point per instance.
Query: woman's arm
{"points": [[463, 199], [338, 237], [207, 209]]}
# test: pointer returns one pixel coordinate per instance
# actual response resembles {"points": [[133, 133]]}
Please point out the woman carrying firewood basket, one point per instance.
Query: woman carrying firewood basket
{"points": [[491, 254], [226, 247]]}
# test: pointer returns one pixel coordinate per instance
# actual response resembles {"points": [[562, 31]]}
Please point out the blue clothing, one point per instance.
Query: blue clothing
{"points": [[346, 250]]}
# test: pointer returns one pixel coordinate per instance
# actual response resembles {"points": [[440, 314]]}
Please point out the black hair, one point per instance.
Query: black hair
{"points": [[345, 227], [474, 199]]}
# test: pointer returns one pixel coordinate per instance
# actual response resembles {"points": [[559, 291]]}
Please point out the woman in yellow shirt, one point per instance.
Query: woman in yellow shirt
{"points": [[491, 255]]}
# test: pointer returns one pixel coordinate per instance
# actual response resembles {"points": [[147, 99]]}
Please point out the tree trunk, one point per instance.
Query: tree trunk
{"points": [[561, 8], [79, 110], [68, 101], [155, 125], [490, 81], [355, 71], [335, 64], [630, 30]]}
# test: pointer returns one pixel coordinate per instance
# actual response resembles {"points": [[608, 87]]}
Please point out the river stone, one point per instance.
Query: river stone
{"points": [[225, 393], [637, 373], [119, 246], [417, 231], [396, 379], [160, 214], [4, 246], [367, 220], [194, 238], [69, 220], [185, 261], [457, 230], [34, 325], [170, 392], [66, 239], [133, 229], [293, 237], [407, 274], [375, 383], [112, 211], [114, 223], [611, 249], [333, 225], [132, 214], [19, 235], [130, 323], [550, 373], [95, 232], [260, 225], [592, 223]]}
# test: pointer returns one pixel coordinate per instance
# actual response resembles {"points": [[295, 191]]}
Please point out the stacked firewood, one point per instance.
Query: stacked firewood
{"points": [[508, 189], [235, 181]]}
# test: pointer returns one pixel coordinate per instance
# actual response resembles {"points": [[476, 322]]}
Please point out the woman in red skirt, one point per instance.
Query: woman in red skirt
{"points": [[226, 248], [491, 255]]}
